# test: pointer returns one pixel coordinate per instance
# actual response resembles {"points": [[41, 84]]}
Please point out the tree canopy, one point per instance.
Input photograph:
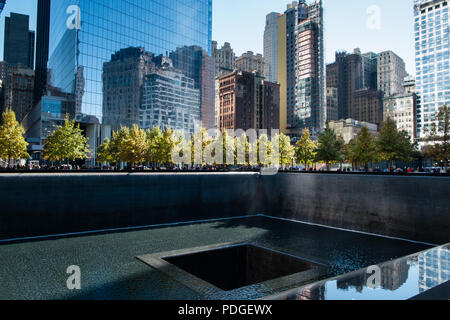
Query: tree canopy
{"points": [[12, 141], [305, 150], [329, 147], [66, 143]]}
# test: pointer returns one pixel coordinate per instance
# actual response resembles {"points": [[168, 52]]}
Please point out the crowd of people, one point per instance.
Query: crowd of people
{"points": [[45, 166]]}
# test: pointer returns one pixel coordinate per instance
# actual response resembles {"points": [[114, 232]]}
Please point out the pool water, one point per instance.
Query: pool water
{"points": [[109, 268]]}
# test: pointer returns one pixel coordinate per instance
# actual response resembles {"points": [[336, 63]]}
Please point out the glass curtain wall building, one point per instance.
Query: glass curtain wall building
{"points": [[432, 60], [86, 35]]}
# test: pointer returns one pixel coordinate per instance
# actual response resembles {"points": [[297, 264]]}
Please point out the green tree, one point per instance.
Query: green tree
{"points": [[66, 143], [161, 145], [12, 143], [104, 154], [118, 143], [329, 147], [394, 145], [364, 148], [136, 146], [285, 149], [439, 138], [305, 149]]}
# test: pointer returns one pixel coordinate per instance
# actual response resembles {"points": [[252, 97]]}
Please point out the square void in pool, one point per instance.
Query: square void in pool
{"points": [[230, 267]]}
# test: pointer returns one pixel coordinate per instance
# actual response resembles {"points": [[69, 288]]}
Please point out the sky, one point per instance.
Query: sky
{"points": [[349, 24]]}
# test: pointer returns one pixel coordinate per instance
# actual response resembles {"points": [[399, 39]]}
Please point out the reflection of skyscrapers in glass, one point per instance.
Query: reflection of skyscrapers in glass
{"points": [[434, 268], [111, 25], [123, 79], [170, 100]]}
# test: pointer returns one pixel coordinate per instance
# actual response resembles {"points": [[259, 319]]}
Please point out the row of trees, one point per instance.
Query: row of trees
{"points": [[66, 143], [391, 145], [162, 147], [165, 147]]}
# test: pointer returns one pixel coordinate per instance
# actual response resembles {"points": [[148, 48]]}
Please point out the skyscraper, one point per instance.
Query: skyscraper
{"points": [[84, 39], [19, 41], [432, 60], [246, 102], [301, 68], [355, 78], [391, 73], [225, 58], [42, 38], [271, 47], [2, 5]]}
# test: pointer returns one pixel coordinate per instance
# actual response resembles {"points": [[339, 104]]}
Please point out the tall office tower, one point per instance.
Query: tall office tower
{"points": [[2, 5], [19, 41], [225, 59], [351, 73], [301, 68], [432, 60], [271, 47], [391, 73], [246, 101], [250, 62], [208, 93], [42, 38], [83, 40]]}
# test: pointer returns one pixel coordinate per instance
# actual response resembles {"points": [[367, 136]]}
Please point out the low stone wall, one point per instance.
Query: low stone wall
{"points": [[415, 208]]}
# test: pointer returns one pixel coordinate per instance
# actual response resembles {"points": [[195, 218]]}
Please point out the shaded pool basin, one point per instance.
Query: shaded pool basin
{"points": [[109, 267]]}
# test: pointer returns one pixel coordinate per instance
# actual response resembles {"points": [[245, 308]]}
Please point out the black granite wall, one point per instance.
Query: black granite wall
{"points": [[415, 208], [35, 204]]}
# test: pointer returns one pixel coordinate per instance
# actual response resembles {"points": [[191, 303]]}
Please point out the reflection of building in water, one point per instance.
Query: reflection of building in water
{"points": [[313, 292], [393, 275], [170, 100], [433, 268]]}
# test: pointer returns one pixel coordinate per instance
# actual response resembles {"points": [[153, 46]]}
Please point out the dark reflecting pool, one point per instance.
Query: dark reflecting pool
{"points": [[401, 279], [110, 270]]}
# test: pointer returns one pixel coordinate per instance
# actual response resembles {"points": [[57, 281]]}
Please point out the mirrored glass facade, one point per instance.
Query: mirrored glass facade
{"points": [[87, 37], [432, 34]]}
